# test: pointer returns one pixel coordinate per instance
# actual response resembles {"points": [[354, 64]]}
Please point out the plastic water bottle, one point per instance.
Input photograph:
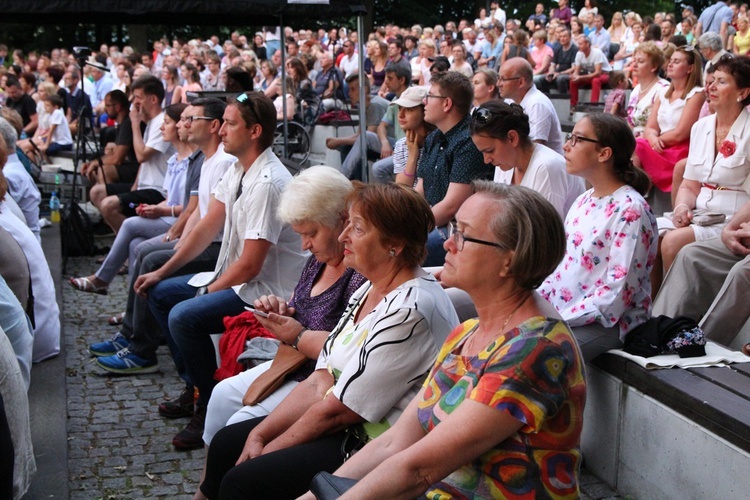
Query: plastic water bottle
{"points": [[54, 207]]}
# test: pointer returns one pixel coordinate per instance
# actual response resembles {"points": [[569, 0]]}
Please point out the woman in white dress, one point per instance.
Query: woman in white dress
{"points": [[647, 59], [718, 165]]}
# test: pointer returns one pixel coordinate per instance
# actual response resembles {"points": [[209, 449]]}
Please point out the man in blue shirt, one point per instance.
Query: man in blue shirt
{"points": [[716, 19], [450, 160]]}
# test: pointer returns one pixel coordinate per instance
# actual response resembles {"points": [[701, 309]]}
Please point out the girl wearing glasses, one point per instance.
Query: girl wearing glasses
{"points": [[602, 287], [500, 132]]}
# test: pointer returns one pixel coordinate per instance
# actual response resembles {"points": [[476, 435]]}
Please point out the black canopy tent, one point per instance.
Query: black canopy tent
{"points": [[214, 12], [193, 12]]}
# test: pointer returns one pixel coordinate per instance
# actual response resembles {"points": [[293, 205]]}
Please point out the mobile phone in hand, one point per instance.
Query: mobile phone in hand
{"points": [[255, 311]]}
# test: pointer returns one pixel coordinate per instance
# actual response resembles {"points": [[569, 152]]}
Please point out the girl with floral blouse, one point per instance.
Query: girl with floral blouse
{"points": [[602, 287]]}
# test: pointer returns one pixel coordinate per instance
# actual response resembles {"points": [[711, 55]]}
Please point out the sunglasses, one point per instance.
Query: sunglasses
{"points": [[481, 115], [245, 99]]}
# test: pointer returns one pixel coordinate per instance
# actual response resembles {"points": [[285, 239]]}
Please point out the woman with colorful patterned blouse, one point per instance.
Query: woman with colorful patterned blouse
{"points": [[501, 412], [602, 286]]}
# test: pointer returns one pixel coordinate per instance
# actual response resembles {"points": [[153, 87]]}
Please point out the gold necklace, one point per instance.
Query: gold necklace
{"points": [[473, 340]]}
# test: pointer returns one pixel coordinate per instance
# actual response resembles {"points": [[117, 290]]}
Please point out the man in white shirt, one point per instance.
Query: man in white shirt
{"points": [[516, 82], [151, 151], [498, 14], [591, 69], [349, 63], [259, 255]]}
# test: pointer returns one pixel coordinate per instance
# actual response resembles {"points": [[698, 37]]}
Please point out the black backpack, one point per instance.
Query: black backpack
{"points": [[76, 232]]}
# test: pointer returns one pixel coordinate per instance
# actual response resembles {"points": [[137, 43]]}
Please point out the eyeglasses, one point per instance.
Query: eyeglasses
{"points": [[503, 80], [481, 115], [574, 139], [434, 96], [191, 119], [459, 238]]}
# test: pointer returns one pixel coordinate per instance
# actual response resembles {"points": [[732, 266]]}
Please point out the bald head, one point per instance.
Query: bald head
{"points": [[521, 68], [516, 78]]}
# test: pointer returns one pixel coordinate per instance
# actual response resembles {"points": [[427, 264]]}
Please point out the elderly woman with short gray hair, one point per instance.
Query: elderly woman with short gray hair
{"points": [[313, 204]]}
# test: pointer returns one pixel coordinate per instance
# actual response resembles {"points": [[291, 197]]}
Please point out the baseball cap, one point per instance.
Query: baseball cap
{"points": [[411, 97]]}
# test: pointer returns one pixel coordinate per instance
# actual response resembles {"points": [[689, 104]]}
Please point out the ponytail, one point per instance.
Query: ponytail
{"points": [[634, 177]]}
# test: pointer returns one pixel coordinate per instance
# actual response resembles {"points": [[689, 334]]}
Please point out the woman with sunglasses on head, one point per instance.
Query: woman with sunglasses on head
{"points": [[492, 420], [500, 131], [666, 139], [602, 287]]}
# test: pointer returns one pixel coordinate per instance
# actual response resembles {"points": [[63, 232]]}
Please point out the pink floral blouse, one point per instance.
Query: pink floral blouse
{"points": [[604, 275]]}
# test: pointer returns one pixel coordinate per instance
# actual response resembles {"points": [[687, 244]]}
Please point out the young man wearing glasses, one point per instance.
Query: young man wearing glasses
{"points": [[349, 62], [259, 255], [449, 160]]}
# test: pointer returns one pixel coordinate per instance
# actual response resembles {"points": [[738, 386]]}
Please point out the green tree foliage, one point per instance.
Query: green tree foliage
{"points": [[401, 12]]}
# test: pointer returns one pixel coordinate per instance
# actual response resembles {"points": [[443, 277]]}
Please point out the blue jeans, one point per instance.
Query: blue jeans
{"points": [[139, 325], [189, 321], [435, 251]]}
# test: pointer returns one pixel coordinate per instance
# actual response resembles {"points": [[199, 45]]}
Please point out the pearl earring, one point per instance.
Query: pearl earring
{"points": [[392, 252]]}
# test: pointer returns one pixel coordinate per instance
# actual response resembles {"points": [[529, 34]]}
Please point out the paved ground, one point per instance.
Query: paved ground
{"points": [[117, 445]]}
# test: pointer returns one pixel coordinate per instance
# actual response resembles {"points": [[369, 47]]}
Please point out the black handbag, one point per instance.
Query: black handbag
{"points": [[326, 486]]}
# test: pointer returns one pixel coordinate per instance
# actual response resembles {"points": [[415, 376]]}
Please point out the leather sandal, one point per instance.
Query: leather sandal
{"points": [[746, 349], [117, 319], [85, 285]]}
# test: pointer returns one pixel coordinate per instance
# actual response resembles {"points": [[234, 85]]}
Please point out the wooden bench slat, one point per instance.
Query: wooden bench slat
{"points": [[730, 378]]}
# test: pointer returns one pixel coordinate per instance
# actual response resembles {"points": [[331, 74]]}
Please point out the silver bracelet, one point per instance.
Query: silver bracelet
{"points": [[296, 341]]}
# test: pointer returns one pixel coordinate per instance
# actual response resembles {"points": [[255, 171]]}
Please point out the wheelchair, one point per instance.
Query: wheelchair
{"points": [[298, 138]]}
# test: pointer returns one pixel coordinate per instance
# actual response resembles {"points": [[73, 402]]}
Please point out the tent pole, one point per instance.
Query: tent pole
{"points": [[362, 102], [283, 84]]}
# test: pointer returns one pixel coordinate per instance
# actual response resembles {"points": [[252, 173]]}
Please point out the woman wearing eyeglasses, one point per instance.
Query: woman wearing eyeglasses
{"points": [[501, 412], [500, 131], [602, 287], [718, 166], [151, 220]]}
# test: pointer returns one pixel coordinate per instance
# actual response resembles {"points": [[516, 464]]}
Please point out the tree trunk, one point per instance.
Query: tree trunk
{"points": [[138, 37]]}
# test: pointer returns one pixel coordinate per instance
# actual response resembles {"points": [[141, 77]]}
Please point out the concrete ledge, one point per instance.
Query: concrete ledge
{"points": [[684, 436], [48, 399]]}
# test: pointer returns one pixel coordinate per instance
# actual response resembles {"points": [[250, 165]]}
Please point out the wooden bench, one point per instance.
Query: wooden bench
{"points": [[671, 433]]}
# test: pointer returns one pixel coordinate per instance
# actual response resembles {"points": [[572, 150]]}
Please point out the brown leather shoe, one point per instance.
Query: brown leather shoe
{"points": [[181, 407]]}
